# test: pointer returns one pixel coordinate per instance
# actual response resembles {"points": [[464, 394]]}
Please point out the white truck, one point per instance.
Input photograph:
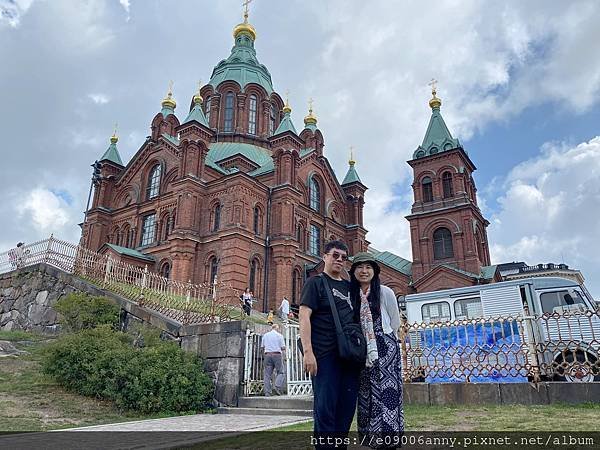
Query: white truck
{"points": [[505, 332]]}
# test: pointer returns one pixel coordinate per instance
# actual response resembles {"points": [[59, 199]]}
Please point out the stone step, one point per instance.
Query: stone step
{"points": [[277, 402], [265, 412]]}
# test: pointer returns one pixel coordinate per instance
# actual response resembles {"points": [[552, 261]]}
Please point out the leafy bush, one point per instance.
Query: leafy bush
{"points": [[80, 311], [101, 362]]}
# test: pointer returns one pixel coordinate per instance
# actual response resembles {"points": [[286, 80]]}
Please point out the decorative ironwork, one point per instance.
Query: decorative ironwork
{"points": [[562, 346]]}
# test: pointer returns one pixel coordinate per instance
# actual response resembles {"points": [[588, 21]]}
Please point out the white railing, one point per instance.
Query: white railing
{"points": [[297, 381], [185, 302]]}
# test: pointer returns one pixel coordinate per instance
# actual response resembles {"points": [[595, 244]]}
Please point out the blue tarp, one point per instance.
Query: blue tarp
{"points": [[488, 352]]}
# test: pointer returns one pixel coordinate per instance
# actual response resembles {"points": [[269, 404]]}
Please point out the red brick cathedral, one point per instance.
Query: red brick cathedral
{"points": [[235, 192]]}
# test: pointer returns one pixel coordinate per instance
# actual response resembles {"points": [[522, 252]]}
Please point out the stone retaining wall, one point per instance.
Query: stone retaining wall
{"points": [[27, 296]]}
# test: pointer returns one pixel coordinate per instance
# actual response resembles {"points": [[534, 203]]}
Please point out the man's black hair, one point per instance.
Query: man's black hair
{"points": [[339, 245]]}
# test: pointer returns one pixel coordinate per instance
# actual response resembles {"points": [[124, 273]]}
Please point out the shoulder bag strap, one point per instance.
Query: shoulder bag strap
{"points": [[334, 311]]}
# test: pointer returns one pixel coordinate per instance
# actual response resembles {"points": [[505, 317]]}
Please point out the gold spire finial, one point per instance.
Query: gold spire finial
{"points": [[246, 4], [198, 98], [169, 101], [287, 108], [310, 119], [114, 138], [434, 102], [351, 161], [245, 26]]}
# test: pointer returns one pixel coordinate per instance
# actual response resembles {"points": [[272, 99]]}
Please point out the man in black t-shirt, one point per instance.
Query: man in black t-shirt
{"points": [[335, 383]]}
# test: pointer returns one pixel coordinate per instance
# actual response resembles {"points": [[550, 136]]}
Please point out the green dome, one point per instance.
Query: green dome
{"points": [[242, 66]]}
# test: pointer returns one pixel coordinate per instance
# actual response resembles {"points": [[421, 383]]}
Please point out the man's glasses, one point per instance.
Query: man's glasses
{"points": [[336, 256]]}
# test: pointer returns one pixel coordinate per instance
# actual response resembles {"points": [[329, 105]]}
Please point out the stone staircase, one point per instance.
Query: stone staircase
{"points": [[282, 405]]}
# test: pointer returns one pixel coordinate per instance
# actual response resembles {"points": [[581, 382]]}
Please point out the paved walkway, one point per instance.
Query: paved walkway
{"points": [[165, 433]]}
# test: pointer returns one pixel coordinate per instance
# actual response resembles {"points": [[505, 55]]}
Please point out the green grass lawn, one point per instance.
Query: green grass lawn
{"points": [[584, 417], [30, 401]]}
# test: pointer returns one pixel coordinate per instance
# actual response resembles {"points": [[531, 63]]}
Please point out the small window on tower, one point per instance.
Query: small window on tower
{"points": [[447, 185], [442, 244], [252, 115], [228, 120], [427, 188]]}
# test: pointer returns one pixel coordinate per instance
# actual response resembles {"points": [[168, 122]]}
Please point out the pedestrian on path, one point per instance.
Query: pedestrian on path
{"points": [[284, 310], [247, 299], [273, 346], [380, 400]]}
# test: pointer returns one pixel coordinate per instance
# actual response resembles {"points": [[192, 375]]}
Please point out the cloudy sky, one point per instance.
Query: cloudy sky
{"points": [[520, 84]]}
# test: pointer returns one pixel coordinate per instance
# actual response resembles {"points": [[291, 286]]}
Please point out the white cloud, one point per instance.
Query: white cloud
{"points": [[47, 211], [99, 99], [550, 210], [11, 11], [126, 4]]}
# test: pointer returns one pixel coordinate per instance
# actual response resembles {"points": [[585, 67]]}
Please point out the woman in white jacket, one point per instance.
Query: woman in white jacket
{"points": [[380, 402]]}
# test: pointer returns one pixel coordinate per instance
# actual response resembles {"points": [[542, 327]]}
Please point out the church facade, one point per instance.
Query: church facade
{"points": [[235, 192]]}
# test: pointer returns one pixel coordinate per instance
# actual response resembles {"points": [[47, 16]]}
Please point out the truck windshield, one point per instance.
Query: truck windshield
{"points": [[559, 301]]}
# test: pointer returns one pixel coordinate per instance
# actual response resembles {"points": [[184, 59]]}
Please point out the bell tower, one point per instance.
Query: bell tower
{"points": [[447, 228]]}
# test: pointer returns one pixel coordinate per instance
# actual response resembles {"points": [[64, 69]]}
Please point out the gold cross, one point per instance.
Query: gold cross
{"points": [[352, 155], [199, 86], [116, 126], [433, 84], [310, 104], [170, 93], [245, 4]]}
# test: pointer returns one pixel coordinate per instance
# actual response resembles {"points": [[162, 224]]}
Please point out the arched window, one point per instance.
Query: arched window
{"points": [[272, 120], [315, 194], [256, 220], [153, 187], [165, 270], [252, 279], [252, 115], [427, 189], [207, 109], [214, 269], [442, 244], [228, 122], [148, 229], [217, 218], [447, 185], [315, 240]]}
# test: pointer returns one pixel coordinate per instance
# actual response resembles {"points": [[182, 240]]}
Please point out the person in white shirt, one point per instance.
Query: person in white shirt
{"points": [[380, 395], [284, 310], [274, 346]]}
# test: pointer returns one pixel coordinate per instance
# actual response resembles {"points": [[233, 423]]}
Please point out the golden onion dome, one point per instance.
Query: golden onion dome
{"points": [[114, 138], [310, 119], [245, 27], [287, 108], [169, 101], [197, 99], [434, 102]]}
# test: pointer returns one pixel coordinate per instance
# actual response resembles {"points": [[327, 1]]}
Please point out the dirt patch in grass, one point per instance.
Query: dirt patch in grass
{"points": [[30, 401]]}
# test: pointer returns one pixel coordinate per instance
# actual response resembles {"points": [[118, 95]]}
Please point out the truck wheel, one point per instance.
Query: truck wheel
{"points": [[573, 367]]}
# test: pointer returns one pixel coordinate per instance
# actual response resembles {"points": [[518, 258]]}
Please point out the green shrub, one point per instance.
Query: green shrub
{"points": [[103, 363], [80, 311]]}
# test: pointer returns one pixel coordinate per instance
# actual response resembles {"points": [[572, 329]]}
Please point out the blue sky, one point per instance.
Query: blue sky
{"points": [[520, 89]]}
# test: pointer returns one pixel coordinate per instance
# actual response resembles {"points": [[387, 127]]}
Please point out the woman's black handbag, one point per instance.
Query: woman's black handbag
{"points": [[352, 344]]}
